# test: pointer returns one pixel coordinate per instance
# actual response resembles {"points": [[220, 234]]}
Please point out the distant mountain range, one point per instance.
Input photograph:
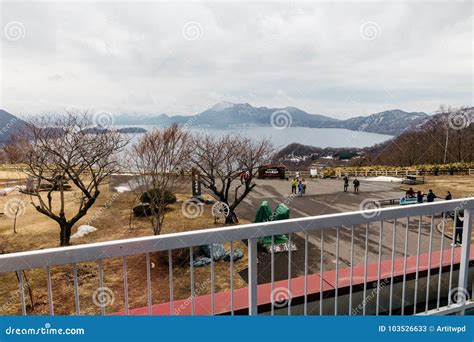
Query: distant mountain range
{"points": [[9, 124], [231, 115], [241, 115], [391, 122]]}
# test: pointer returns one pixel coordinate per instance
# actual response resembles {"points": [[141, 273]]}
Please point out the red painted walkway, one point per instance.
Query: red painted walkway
{"points": [[222, 299]]}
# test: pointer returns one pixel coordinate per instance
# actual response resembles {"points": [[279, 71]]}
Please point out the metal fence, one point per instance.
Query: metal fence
{"points": [[322, 236]]}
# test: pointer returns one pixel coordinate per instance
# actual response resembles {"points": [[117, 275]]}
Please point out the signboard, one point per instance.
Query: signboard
{"points": [[271, 171], [196, 182]]}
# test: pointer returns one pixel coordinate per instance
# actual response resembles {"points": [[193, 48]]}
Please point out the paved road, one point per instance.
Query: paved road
{"points": [[325, 197]]}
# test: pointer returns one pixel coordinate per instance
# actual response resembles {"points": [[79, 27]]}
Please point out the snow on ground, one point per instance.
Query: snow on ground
{"points": [[83, 230], [122, 188], [6, 191], [384, 179]]}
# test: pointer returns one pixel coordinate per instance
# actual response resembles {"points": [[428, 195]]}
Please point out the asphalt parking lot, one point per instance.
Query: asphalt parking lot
{"points": [[325, 196]]}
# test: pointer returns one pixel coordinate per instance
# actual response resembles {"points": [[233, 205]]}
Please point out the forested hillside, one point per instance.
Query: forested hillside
{"points": [[448, 137]]}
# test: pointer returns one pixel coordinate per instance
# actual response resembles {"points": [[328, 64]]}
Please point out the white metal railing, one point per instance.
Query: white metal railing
{"points": [[316, 243]]}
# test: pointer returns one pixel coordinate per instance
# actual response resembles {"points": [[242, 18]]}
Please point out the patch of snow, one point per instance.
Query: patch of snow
{"points": [[8, 182], [6, 191], [83, 230], [124, 174], [122, 188], [384, 179], [222, 105]]}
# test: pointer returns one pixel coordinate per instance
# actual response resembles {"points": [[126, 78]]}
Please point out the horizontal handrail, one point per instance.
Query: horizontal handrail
{"points": [[117, 248]]}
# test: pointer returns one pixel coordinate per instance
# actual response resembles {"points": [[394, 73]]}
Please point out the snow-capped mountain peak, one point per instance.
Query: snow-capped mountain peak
{"points": [[222, 106]]}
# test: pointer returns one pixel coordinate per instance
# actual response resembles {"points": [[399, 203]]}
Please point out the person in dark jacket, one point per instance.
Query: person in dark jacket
{"points": [[459, 225], [356, 185], [346, 183], [419, 196], [430, 197], [448, 196], [410, 193]]}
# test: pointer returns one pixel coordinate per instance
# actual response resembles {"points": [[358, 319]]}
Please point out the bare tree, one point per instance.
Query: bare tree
{"points": [[62, 148], [160, 158], [13, 151], [16, 208], [228, 165]]}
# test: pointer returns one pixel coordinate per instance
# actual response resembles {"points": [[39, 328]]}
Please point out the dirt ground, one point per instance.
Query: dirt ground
{"points": [[111, 216]]}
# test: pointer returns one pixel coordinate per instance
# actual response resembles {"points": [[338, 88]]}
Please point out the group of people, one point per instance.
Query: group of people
{"points": [[457, 217], [355, 183], [430, 196], [298, 186]]}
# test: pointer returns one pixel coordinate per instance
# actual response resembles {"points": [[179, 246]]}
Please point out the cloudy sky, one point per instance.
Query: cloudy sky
{"points": [[341, 59]]}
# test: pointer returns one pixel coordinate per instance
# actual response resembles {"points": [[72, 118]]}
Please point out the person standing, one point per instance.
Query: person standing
{"points": [[300, 188], [458, 226], [356, 185], [303, 183], [346, 183], [431, 196], [293, 185]]}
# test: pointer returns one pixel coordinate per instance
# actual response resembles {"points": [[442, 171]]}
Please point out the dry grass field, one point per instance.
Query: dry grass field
{"points": [[459, 186], [111, 216]]}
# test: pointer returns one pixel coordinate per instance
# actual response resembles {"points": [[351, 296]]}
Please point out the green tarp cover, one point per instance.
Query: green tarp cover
{"points": [[264, 214], [282, 212]]}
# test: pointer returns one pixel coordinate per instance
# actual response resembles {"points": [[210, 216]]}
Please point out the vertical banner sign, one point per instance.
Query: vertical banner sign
{"points": [[196, 182]]}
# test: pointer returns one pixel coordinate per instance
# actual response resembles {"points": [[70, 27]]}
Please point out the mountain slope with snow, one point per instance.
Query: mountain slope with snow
{"points": [[229, 115]]}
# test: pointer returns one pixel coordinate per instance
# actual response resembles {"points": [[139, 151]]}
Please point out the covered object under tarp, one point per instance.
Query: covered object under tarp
{"points": [[264, 214]]}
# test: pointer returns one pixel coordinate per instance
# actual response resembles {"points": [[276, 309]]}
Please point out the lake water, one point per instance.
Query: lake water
{"points": [[319, 137]]}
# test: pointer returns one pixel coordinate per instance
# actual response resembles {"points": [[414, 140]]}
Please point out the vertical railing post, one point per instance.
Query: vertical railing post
{"points": [[252, 276], [465, 250]]}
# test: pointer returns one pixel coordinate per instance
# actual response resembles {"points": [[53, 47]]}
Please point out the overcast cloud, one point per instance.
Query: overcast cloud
{"points": [[341, 59]]}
